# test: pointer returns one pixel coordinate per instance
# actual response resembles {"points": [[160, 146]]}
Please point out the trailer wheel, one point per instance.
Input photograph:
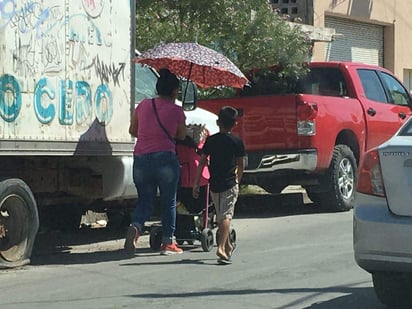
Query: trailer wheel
{"points": [[19, 223], [340, 180]]}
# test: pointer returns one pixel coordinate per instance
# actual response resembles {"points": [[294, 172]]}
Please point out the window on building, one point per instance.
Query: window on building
{"points": [[294, 10], [284, 11], [285, 1]]}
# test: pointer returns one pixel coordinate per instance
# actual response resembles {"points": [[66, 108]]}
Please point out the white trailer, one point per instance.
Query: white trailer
{"points": [[67, 90], [66, 95]]}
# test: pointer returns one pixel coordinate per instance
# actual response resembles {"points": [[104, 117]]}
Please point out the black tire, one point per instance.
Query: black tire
{"points": [[19, 223], [340, 180], [393, 289], [155, 238], [232, 236], [206, 238]]}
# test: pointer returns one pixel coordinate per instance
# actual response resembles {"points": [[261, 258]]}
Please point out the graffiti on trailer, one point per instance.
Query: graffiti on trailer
{"points": [[93, 7], [38, 51], [107, 72], [31, 17]]}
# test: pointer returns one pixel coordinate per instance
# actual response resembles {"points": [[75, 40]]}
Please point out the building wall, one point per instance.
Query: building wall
{"points": [[394, 15]]}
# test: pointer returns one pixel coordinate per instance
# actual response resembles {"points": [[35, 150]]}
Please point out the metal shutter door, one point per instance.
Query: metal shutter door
{"points": [[356, 41]]}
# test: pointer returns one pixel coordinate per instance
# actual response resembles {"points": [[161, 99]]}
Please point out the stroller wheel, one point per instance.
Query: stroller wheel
{"points": [[207, 240], [155, 239], [232, 236]]}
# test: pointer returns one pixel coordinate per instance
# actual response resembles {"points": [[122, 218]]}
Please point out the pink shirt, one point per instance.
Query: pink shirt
{"points": [[189, 161], [150, 136]]}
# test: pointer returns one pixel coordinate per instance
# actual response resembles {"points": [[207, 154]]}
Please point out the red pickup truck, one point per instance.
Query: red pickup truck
{"points": [[316, 138]]}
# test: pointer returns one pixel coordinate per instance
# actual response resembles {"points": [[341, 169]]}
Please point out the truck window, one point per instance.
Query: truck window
{"points": [[326, 82], [399, 95], [372, 85], [145, 82]]}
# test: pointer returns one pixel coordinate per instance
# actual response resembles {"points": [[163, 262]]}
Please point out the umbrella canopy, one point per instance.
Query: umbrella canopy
{"points": [[202, 65]]}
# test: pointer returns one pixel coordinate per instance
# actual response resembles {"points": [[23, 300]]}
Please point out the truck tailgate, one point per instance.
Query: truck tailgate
{"points": [[267, 122]]}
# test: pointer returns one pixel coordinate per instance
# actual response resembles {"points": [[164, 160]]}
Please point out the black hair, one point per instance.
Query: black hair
{"points": [[227, 117], [166, 83]]}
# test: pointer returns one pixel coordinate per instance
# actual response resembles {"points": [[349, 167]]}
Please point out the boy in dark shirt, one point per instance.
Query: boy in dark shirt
{"points": [[225, 152]]}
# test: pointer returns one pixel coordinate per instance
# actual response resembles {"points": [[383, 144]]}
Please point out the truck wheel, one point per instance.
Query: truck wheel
{"points": [[392, 289], [19, 223], [340, 180]]}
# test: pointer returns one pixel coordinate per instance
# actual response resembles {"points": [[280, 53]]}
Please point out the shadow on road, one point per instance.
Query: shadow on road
{"points": [[356, 298], [277, 205], [66, 257], [55, 246]]}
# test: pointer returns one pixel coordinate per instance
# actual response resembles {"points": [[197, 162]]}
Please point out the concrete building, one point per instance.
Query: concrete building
{"points": [[370, 31]]}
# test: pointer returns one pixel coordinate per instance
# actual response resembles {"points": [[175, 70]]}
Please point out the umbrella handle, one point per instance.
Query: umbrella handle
{"points": [[187, 82]]}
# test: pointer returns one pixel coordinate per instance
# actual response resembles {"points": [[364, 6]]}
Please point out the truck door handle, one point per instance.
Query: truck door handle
{"points": [[402, 115], [371, 111]]}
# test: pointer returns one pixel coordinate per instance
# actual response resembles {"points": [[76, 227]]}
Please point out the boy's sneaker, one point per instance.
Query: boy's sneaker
{"points": [[130, 243], [170, 249]]}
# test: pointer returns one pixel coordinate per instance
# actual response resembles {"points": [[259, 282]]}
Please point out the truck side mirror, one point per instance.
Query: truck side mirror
{"points": [[188, 95]]}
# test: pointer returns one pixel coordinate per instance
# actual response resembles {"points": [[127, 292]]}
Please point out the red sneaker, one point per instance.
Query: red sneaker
{"points": [[170, 249], [130, 243]]}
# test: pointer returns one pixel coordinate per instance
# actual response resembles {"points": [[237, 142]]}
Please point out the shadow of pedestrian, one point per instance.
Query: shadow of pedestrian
{"points": [[356, 298]]}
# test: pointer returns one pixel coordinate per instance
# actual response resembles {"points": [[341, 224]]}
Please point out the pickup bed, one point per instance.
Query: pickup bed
{"points": [[317, 137]]}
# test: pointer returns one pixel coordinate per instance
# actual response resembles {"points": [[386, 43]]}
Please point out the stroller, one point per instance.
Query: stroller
{"points": [[195, 218]]}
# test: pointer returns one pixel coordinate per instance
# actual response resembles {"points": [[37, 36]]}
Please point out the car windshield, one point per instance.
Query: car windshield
{"points": [[406, 129]]}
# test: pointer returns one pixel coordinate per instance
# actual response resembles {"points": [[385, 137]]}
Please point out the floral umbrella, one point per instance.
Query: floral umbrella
{"points": [[192, 61]]}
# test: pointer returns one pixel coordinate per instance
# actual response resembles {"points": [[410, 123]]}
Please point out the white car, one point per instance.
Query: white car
{"points": [[382, 218]]}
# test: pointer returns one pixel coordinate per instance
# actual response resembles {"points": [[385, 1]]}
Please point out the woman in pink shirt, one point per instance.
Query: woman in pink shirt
{"points": [[156, 165]]}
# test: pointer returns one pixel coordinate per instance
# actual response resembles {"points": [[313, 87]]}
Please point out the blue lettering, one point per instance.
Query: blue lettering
{"points": [[44, 113], [83, 102], [66, 102], [104, 104], [75, 101], [10, 98]]}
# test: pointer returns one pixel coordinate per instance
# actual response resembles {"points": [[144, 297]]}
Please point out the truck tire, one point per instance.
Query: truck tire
{"points": [[19, 223], [340, 181], [393, 289]]}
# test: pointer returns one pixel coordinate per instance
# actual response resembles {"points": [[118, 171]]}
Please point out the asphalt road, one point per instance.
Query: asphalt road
{"points": [[289, 255]]}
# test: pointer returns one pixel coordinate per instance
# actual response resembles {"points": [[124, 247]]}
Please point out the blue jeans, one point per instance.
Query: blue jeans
{"points": [[152, 171]]}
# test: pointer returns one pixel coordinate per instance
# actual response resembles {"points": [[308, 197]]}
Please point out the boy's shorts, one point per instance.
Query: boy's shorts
{"points": [[225, 203]]}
